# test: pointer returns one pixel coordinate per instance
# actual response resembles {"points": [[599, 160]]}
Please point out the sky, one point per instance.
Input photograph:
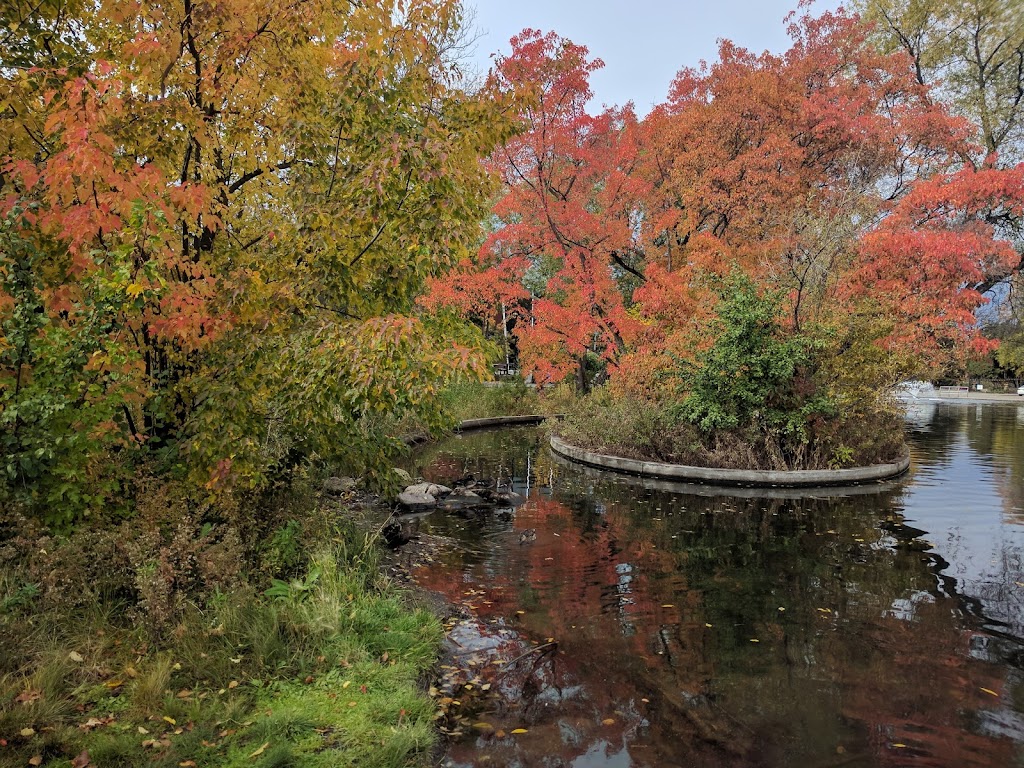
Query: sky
{"points": [[643, 43]]}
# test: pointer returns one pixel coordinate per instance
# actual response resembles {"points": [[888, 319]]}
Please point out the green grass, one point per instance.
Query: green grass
{"points": [[323, 675], [472, 400]]}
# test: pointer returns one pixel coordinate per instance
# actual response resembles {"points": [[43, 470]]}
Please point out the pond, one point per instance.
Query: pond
{"points": [[614, 622]]}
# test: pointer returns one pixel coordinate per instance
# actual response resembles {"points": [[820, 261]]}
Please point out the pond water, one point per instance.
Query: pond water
{"points": [[620, 623]]}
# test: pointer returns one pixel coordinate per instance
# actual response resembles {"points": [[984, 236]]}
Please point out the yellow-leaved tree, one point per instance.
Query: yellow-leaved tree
{"points": [[216, 217]]}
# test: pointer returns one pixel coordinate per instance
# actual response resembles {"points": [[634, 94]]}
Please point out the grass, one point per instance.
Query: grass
{"points": [[610, 423], [325, 672], [474, 400]]}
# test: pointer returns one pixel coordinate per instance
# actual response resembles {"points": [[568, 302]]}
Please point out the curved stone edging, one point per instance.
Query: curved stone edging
{"points": [[799, 478], [500, 421]]}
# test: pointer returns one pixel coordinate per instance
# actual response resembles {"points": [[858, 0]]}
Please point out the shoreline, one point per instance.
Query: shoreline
{"points": [[966, 397]]}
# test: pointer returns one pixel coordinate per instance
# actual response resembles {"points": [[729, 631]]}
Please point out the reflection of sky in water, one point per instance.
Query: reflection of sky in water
{"points": [[966, 495]]}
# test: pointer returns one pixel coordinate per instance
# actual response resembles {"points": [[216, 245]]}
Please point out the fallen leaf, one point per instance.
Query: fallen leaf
{"points": [[990, 692], [519, 730], [95, 722], [188, 764], [28, 732], [233, 684], [183, 694], [76, 657], [668, 605], [608, 721], [170, 720], [114, 683], [900, 746], [260, 751], [483, 726], [142, 730], [28, 697], [35, 760], [82, 761]]}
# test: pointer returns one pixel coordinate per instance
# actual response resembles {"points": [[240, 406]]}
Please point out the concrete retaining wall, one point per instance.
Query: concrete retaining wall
{"points": [[801, 478], [499, 421]]}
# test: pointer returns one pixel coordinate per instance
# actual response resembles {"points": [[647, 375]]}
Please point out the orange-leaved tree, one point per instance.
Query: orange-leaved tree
{"points": [[830, 173], [562, 245]]}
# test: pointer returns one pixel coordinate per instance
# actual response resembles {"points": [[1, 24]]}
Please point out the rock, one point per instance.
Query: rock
{"points": [[462, 499], [511, 498], [339, 485], [395, 534], [402, 475], [416, 499], [433, 489]]}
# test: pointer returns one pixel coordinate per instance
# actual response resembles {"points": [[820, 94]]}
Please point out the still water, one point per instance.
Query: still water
{"points": [[619, 623]]}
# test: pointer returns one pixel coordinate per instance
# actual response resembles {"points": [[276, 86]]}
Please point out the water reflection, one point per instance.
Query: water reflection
{"points": [[873, 629]]}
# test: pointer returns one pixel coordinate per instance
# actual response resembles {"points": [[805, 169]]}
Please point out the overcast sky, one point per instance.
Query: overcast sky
{"points": [[643, 42]]}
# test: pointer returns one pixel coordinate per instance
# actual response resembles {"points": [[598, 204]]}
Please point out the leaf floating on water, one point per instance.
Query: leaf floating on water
{"points": [[519, 730], [990, 692]]}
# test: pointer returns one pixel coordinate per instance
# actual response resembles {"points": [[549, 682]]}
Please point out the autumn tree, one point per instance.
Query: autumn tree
{"points": [[566, 223], [971, 54], [216, 220], [831, 173]]}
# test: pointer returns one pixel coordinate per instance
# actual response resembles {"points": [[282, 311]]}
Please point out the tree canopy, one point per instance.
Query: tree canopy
{"points": [[215, 222]]}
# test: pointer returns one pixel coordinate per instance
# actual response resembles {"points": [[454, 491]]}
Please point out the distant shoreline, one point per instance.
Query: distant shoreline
{"points": [[972, 396]]}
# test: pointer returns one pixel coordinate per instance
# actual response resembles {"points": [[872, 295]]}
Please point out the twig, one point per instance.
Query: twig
{"points": [[507, 664]]}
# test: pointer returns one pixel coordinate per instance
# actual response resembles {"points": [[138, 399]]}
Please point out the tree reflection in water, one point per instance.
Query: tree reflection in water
{"points": [[745, 628]]}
